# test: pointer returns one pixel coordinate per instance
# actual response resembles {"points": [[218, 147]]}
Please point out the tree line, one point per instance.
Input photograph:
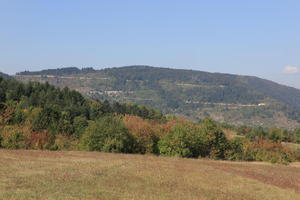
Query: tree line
{"points": [[40, 116]]}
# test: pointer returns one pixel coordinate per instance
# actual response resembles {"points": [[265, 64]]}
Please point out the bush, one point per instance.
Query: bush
{"points": [[265, 150], [216, 140], [64, 142], [218, 144], [18, 117], [65, 125], [15, 140], [80, 123], [39, 140], [235, 151], [48, 118], [144, 134], [107, 134], [184, 140]]}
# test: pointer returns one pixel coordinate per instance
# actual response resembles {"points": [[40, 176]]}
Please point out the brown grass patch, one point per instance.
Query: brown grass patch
{"points": [[91, 175]]}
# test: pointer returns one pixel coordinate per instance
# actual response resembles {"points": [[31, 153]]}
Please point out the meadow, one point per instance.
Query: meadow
{"points": [[35, 174]]}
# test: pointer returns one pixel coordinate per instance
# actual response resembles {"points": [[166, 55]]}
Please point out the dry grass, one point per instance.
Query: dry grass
{"points": [[293, 146], [91, 175]]}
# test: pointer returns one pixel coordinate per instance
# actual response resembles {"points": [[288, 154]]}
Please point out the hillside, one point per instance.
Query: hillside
{"points": [[194, 94], [40, 116], [3, 75], [89, 175]]}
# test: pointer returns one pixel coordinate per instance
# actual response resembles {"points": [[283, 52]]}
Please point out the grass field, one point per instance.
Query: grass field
{"points": [[89, 175]]}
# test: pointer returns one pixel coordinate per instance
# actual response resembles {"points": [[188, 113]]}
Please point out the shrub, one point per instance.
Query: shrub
{"points": [[47, 118], [64, 142], [65, 123], [265, 150], [6, 115], [39, 140], [257, 133], [80, 123], [144, 134], [216, 140], [235, 151], [218, 144], [15, 140], [184, 140], [261, 150], [107, 134], [18, 117]]}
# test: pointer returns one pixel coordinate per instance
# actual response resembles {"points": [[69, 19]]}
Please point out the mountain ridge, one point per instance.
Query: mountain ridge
{"points": [[191, 93]]}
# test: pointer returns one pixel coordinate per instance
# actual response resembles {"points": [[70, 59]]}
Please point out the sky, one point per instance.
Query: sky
{"points": [[257, 37]]}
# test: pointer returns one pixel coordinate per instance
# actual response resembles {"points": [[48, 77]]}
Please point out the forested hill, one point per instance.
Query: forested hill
{"points": [[45, 107], [40, 116], [194, 94], [236, 88], [6, 76]]}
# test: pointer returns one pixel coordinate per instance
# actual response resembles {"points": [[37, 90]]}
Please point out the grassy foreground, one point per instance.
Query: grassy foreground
{"points": [[28, 174]]}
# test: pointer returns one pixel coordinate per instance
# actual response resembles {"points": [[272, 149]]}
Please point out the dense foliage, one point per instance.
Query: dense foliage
{"points": [[233, 99], [58, 110], [40, 116], [107, 134], [274, 134]]}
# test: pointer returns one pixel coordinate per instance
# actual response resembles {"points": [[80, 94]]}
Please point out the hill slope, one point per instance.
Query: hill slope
{"points": [[6, 76], [89, 175], [194, 94]]}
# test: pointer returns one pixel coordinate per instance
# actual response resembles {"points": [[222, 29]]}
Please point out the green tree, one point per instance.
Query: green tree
{"points": [[217, 141], [80, 123], [48, 118], [107, 134], [65, 123], [184, 140], [15, 141], [96, 110]]}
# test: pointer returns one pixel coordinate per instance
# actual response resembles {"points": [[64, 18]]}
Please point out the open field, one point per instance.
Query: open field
{"points": [[28, 174]]}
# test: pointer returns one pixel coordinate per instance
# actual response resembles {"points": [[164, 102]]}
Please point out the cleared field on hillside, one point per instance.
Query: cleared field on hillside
{"points": [[89, 175]]}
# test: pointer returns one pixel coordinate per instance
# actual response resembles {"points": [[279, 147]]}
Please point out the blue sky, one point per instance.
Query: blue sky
{"points": [[257, 37]]}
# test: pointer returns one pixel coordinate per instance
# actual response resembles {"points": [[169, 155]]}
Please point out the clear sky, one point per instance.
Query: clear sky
{"points": [[257, 37]]}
